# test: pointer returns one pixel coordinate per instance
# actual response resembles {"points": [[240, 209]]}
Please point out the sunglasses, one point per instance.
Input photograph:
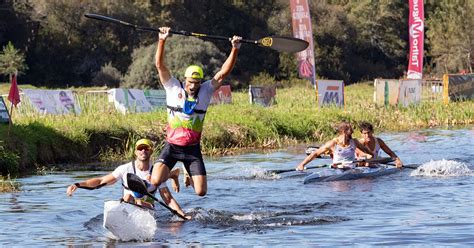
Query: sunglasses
{"points": [[146, 148]]}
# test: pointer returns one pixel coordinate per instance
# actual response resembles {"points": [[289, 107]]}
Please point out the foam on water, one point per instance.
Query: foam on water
{"points": [[127, 222], [442, 168]]}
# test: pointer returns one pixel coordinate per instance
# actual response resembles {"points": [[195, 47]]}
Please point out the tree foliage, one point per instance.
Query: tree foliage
{"points": [[12, 61], [108, 75], [450, 35], [180, 52], [354, 40]]}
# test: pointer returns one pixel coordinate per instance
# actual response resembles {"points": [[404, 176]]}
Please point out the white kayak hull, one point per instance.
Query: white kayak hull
{"points": [[327, 174], [128, 222]]}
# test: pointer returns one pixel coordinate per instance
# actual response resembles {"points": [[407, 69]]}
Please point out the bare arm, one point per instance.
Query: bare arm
{"points": [[363, 148], [163, 71], [390, 153], [170, 201], [228, 64], [326, 147], [91, 183]]}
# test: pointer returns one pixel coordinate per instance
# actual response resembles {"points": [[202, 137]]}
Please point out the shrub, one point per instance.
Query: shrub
{"points": [[108, 75], [180, 53]]}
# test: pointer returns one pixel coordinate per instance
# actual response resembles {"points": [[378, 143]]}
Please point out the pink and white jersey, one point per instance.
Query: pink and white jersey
{"points": [[184, 129]]}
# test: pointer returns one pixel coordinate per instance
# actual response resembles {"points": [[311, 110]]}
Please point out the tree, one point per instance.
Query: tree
{"points": [[180, 53], [450, 36], [12, 61]]}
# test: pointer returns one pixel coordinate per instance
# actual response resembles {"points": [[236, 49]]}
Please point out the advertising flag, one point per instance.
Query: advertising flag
{"points": [[416, 36], [301, 22]]}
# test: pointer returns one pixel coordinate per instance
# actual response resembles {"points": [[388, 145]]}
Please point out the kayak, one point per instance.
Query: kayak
{"points": [[329, 174], [127, 221]]}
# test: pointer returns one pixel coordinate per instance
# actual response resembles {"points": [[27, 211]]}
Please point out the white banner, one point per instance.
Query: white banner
{"points": [[410, 92], [262, 95], [386, 91], [53, 101], [156, 98], [330, 92], [4, 116], [136, 100]]}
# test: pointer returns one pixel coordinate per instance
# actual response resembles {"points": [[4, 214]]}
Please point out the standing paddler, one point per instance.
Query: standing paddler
{"points": [[187, 103]]}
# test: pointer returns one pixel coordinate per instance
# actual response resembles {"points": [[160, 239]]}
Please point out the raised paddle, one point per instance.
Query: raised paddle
{"points": [[281, 44], [136, 184]]}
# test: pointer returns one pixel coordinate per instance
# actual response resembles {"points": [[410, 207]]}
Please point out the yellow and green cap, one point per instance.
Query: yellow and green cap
{"points": [[142, 142], [194, 71]]}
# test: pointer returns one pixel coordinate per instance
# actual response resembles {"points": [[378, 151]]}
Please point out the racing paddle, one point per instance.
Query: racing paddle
{"points": [[136, 184], [288, 170], [278, 43], [371, 160]]}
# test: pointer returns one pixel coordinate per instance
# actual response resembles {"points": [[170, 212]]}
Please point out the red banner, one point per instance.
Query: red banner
{"points": [[14, 94], [301, 22], [416, 36]]}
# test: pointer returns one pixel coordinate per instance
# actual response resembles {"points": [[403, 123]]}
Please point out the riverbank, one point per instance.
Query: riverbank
{"points": [[100, 134]]}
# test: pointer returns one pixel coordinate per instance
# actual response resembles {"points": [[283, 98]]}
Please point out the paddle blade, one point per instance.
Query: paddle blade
{"points": [[284, 44], [136, 184], [411, 166]]}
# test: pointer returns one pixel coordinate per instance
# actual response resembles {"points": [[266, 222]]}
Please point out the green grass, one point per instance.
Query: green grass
{"points": [[100, 133]]}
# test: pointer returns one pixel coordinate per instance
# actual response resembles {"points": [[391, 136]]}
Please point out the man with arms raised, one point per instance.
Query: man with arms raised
{"points": [[187, 103]]}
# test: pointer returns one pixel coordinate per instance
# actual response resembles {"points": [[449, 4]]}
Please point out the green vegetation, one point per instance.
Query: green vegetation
{"points": [[353, 40], [99, 133], [8, 185]]}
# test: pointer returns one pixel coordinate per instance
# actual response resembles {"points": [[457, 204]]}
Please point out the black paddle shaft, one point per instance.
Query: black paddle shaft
{"points": [[149, 29], [136, 184], [283, 44]]}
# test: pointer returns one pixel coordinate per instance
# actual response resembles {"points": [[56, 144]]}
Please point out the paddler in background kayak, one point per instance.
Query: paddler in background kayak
{"points": [[342, 148], [142, 167], [374, 144]]}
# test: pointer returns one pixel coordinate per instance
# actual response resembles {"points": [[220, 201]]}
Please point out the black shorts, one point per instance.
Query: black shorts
{"points": [[190, 156]]}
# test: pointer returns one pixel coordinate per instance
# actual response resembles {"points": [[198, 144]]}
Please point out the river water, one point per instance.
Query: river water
{"points": [[244, 206]]}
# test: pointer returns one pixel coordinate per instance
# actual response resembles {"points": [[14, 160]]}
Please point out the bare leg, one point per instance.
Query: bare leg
{"points": [[174, 176], [200, 185], [128, 198], [160, 174]]}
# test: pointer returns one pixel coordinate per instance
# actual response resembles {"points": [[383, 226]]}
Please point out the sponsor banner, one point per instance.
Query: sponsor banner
{"points": [[4, 115], [156, 98], [410, 92], [222, 95], [416, 38], [262, 95], [136, 100], [458, 87], [330, 92], [301, 22], [386, 91], [129, 100], [54, 102]]}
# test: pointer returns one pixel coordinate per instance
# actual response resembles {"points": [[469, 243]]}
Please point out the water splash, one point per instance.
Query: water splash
{"points": [[260, 221], [127, 222], [260, 173], [442, 168]]}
